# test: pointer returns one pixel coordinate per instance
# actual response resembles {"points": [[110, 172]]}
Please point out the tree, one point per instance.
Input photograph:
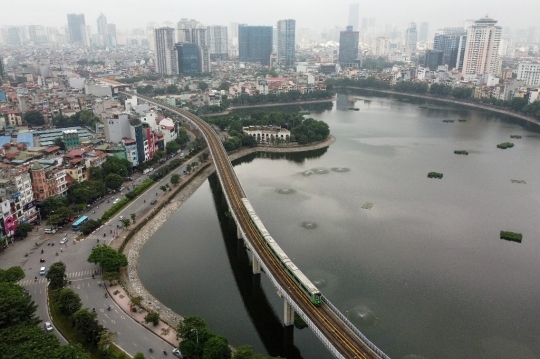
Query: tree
{"points": [[133, 216], [172, 147], [217, 347], [90, 226], [186, 326], [152, 317], [175, 179], [15, 306], [11, 275], [224, 86], [53, 204], [117, 166], [60, 216], [114, 181], [125, 222], [109, 259], [22, 230], [60, 143], [68, 301], [56, 275], [139, 355], [34, 118], [86, 323], [106, 338], [136, 301], [163, 188], [202, 86]]}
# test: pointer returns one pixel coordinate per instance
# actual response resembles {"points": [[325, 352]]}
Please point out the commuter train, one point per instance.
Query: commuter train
{"points": [[292, 270]]}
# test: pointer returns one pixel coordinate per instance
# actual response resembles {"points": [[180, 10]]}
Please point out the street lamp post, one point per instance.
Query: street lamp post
{"points": [[197, 334]]}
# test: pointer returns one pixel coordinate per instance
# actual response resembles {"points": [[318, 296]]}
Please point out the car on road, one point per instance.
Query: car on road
{"points": [[63, 240], [50, 230], [121, 217], [116, 201], [176, 353], [153, 202], [48, 327], [42, 271]]}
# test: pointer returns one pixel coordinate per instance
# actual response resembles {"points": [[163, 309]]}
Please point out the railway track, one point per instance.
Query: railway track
{"points": [[346, 341]]}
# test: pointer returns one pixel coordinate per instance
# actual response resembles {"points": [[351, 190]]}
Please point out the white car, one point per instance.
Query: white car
{"points": [[48, 327], [63, 240], [176, 353], [116, 201], [121, 217]]}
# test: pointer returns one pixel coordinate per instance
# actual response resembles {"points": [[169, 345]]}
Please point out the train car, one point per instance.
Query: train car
{"points": [[292, 270]]}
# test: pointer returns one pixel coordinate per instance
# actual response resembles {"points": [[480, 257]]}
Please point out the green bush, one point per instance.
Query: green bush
{"points": [[115, 208], [152, 317], [511, 236]]}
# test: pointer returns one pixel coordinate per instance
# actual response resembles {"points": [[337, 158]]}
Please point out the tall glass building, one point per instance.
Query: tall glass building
{"points": [[451, 41], [76, 26], [286, 42], [348, 47], [255, 43], [188, 58]]}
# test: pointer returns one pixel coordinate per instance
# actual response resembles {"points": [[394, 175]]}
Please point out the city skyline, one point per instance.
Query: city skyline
{"points": [[313, 15]]}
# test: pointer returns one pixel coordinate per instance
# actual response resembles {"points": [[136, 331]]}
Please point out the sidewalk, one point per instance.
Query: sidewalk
{"points": [[162, 330]]}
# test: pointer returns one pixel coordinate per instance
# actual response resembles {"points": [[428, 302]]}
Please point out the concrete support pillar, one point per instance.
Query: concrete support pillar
{"points": [[255, 265], [238, 232], [288, 313]]}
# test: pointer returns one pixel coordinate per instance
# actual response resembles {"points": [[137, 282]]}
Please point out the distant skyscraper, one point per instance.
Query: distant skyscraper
{"points": [[166, 58], [111, 35], [14, 36], [348, 47], [423, 33], [255, 44], [102, 29], [411, 37], [482, 48], [1, 68], [286, 42], [233, 33], [451, 41], [185, 24], [38, 34], [77, 29], [199, 37], [188, 58], [354, 16], [218, 42]]}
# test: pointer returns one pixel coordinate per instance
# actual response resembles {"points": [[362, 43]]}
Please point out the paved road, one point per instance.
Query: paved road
{"points": [[130, 336]]}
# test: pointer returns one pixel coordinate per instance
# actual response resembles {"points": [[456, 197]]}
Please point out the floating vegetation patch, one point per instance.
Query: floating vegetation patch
{"points": [[505, 145], [511, 236], [515, 136], [461, 152], [309, 225], [320, 171], [519, 181], [367, 205], [285, 191], [462, 120], [448, 121], [340, 169], [353, 109], [435, 175], [307, 173]]}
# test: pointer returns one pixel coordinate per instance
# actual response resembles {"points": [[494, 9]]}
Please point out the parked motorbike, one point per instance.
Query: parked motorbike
{"points": [[41, 260]]}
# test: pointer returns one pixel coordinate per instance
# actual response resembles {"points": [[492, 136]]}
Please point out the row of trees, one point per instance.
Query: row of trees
{"points": [[291, 96], [81, 118], [20, 335]]}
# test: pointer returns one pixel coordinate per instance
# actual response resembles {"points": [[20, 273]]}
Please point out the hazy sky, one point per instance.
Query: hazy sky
{"points": [[315, 14]]}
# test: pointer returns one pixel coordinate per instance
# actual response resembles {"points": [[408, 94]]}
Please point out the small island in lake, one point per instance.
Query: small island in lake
{"points": [[448, 121], [505, 145], [515, 136], [435, 175], [511, 236], [354, 109], [461, 152]]}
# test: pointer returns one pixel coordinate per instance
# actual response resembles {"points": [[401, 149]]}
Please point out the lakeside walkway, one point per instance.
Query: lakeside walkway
{"points": [[233, 108], [132, 286], [454, 102]]}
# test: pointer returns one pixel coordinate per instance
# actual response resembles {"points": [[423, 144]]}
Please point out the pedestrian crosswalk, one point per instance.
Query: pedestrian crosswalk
{"points": [[73, 275]]}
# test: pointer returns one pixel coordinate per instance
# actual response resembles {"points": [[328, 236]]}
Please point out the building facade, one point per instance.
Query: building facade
{"points": [[188, 58], [218, 41], [482, 48], [286, 46], [451, 41], [199, 37], [348, 47], [166, 61], [411, 37], [255, 44], [530, 73], [76, 26], [432, 59]]}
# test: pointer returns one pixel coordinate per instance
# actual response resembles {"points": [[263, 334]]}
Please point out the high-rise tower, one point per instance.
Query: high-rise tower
{"points": [[354, 16], [286, 42], [102, 29], [348, 47], [76, 26], [166, 58], [482, 48], [255, 43]]}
